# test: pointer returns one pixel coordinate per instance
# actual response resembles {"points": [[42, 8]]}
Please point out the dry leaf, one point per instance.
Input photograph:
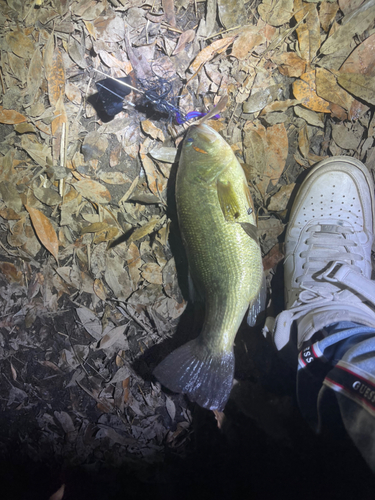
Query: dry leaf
{"points": [[111, 338], [351, 25], [231, 14], [185, 38], [56, 78], [308, 31], [151, 272], [305, 90], [34, 75], [93, 191], [273, 257], [280, 200], [327, 13], [362, 86], [144, 230], [10, 272], [20, 44], [115, 178], [277, 152], [150, 129], [153, 178], [99, 289], [209, 52], [289, 64], [276, 12], [249, 38], [11, 117], [327, 89], [303, 142], [279, 106], [362, 59], [45, 231], [168, 7], [134, 263]]}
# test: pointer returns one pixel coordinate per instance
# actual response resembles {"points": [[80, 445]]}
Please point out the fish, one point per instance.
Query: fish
{"points": [[218, 228]]}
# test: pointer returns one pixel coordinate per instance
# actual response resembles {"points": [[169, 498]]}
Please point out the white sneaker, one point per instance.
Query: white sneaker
{"points": [[327, 267]]}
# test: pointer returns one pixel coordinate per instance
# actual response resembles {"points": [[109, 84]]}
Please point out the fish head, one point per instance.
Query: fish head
{"points": [[205, 152]]}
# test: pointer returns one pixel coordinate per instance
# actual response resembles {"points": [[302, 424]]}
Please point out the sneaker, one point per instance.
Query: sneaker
{"points": [[327, 267]]}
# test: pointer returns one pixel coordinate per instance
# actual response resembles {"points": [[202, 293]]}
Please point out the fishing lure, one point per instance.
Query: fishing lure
{"points": [[158, 92]]}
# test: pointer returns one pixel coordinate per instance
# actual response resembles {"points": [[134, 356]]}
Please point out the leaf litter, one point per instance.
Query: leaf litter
{"points": [[92, 271]]}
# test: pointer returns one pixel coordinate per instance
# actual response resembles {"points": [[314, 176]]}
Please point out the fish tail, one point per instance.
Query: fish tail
{"points": [[204, 375]]}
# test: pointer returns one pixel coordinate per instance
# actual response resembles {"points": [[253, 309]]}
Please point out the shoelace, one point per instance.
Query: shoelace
{"points": [[329, 259], [327, 243]]}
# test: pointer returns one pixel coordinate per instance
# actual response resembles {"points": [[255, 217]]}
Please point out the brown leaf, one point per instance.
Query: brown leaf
{"points": [[327, 89], [185, 38], [144, 230], [56, 78], [153, 178], [351, 25], [134, 263], [276, 13], [305, 90], [114, 178], [112, 337], [303, 141], [279, 106], [231, 14], [151, 272], [20, 44], [362, 59], [9, 214], [249, 38], [34, 76], [93, 191], [280, 200], [150, 129], [308, 32], [168, 7], [289, 64], [327, 13], [277, 151], [209, 52], [362, 86], [10, 272], [11, 117], [44, 230], [99, 289], [274, 256]]}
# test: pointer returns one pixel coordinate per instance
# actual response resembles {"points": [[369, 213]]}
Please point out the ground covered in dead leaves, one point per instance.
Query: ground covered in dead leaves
{"points": [[83, 322]]}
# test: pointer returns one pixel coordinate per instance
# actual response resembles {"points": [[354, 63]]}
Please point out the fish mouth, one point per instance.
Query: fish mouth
{"points": [[204, 133]]}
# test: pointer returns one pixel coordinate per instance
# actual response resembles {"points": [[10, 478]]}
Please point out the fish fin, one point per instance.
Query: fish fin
{"points": [[250, 230], [228, 200], [204, 376], [258, 305]]}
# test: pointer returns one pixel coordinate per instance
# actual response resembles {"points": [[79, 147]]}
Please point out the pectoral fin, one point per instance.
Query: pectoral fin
{"points": [[228, 200], [250, 230], [231, 208]]}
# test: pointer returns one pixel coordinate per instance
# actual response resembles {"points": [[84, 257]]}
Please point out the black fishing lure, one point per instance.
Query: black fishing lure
{"points": [[157, 92], [112, 93]]}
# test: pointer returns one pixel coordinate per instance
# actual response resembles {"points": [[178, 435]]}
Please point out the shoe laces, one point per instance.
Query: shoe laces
{"points": [[326, 243]]}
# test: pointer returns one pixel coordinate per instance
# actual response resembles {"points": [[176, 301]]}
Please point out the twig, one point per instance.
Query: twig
{"points": [[119, 81]]}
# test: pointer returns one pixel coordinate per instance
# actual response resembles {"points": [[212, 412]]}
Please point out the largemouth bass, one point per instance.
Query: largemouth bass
{"points": [[218, 228]]}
